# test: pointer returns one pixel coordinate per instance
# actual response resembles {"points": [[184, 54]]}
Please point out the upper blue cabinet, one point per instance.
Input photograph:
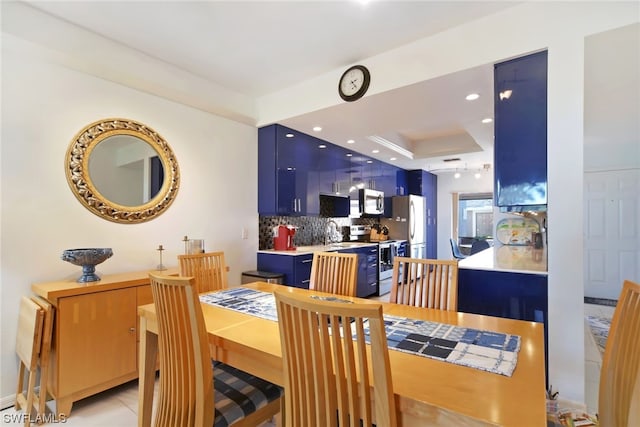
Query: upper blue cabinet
{"points": [[288, 181], [294, 169], [520, 151]]}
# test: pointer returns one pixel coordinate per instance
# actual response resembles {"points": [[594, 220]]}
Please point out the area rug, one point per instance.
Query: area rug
{"points": [[599, 327]]}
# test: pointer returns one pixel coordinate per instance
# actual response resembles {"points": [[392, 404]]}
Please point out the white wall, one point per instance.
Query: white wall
{"points": [[43, 106]]}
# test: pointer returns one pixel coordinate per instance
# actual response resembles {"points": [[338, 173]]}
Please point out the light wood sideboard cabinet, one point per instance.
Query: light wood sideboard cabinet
{"points": [[95, 335]]}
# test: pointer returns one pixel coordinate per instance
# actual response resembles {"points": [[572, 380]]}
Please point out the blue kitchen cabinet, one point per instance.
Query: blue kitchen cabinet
{"points": [[425, 184], [520, 128], [367, 270], [288, 182], [296, 268], [402, 182], [402, 249], [521, 296], [334, 166]]}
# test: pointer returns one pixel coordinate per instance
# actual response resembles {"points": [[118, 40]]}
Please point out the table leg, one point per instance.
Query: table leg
{"points": [[147, 373]]}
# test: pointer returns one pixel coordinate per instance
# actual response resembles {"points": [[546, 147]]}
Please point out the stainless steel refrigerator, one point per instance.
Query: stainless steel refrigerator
{"points": [[409, 223]]}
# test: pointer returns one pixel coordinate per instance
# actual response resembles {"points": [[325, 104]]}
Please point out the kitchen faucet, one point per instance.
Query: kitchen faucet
{"points": [[329, 233]]}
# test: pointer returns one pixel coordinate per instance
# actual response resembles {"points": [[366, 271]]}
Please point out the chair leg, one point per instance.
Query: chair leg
{"points": [[20, 387]]}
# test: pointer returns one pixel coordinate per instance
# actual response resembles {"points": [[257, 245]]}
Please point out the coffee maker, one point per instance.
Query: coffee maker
{"points": [[283, 238]]}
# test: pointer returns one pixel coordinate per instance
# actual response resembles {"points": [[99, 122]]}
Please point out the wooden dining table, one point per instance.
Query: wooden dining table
{"points": [[428, 392]]}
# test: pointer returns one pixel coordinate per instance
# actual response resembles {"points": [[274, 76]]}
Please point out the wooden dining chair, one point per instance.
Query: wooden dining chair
{"points": [[335, 273], [45, 351], [428, 283], [28, 345], [326, 363], [208, 269], [194, 390], [619, 395]]}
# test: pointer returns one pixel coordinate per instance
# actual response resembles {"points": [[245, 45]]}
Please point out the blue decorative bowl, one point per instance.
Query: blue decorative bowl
{"points": [[88, 258]]}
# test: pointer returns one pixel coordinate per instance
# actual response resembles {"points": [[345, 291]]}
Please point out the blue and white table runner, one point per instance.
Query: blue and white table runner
{"points": [[485, 350]]}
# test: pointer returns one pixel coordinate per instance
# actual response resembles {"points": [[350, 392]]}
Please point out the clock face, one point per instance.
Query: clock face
{"points": [[354, 83]]}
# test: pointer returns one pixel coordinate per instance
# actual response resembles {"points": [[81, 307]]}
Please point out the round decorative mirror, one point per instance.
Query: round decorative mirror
{"points": [[122, 171]]}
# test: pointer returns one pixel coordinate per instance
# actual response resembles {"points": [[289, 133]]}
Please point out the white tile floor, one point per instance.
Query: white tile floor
{"points": [[119, 406], [593, 358]]}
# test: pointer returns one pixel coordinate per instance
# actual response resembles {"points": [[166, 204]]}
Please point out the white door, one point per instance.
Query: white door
{"points": [[612, 231]]}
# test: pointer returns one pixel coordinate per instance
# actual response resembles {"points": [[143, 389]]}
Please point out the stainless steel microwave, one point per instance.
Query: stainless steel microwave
{"points": [[371, 202]]}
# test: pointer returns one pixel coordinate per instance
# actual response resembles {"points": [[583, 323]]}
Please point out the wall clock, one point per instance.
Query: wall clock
{"points": [[354, 83]]}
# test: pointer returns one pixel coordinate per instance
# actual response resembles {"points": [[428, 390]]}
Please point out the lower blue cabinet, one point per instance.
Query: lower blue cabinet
{"points": [[521, 296], [296, 268], [367, 270]]}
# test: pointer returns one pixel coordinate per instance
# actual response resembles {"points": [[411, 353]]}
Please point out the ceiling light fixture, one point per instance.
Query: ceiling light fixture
{"points": [[487, 120], [317, 128], [472, 97], [391, 146], [393, 158], [505, 94], [351, 141], [477, 175], [375, 151], [456, 175]]}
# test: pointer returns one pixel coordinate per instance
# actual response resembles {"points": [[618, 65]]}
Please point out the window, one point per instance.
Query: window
{"points": [[475, 217]]}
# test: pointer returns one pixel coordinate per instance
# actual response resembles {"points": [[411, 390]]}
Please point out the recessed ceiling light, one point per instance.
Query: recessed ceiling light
{"points": [[322, 146], [351, 141], [317, 128], [375, 151], [472, 97], [505, 94], [456, 175], [289, 135], [392, 159], [477, 175], [487, 120]]}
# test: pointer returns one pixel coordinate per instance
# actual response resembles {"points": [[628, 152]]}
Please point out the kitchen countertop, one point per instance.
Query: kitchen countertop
{"points": [[515, 259], [302, 250]]}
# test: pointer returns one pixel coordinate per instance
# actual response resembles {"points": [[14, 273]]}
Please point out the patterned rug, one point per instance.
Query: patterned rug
{"points": [[599, 329]]}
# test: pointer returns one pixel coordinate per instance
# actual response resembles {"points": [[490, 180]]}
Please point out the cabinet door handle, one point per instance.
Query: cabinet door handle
{"points": [[132, 329], [307, 261]]}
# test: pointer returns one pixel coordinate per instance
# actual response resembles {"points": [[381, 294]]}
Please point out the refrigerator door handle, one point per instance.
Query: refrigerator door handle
{"points": [[412, 220]]}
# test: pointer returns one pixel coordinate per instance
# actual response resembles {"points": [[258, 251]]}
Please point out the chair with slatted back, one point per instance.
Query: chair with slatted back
{"points": [[194, 390], [619, 395], [28, 344], [335, 273], [428, 283], [208, 269], [323, 363], [45, 350]]}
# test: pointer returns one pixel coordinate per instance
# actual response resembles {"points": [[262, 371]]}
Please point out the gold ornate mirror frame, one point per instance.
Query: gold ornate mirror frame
{"points": [[77, 171]]}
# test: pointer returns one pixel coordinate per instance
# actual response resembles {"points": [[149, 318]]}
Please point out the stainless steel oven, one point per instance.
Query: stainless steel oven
{"points": [[387, 251]]}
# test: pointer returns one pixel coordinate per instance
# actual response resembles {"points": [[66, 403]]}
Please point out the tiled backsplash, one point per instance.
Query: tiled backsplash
{"points": [[311, 230]]}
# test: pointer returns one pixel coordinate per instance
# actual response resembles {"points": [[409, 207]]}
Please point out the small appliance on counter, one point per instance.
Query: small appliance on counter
{"points": [[283, 238]]}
